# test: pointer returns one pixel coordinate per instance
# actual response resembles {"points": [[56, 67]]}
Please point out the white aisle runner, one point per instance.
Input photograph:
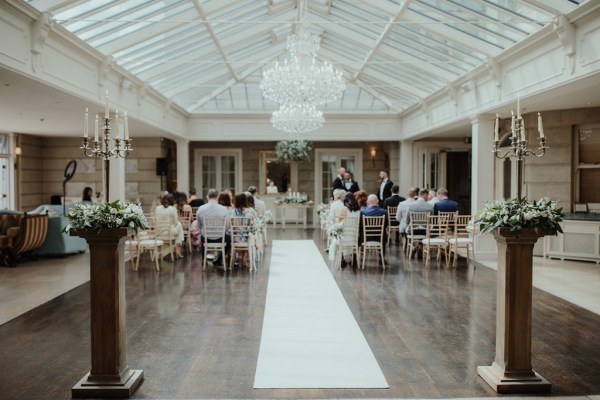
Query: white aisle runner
{"points": [[310, 338]]}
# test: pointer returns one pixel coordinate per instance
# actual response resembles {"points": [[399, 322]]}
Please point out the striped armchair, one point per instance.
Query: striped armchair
{"points": [[28, 234]]}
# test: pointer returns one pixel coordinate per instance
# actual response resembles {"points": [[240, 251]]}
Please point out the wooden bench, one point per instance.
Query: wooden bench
{"points": [[26, 233]]}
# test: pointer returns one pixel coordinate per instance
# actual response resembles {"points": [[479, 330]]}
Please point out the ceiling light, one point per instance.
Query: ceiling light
{"points": [[297, 118]]}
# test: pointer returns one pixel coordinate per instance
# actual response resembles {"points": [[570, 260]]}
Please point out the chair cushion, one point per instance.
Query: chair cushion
{"points": [[434, 241], [151, 242], [460, 240]]}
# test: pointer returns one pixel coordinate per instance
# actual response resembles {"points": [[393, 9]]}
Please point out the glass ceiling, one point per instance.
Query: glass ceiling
{"points": [[207, 56]]}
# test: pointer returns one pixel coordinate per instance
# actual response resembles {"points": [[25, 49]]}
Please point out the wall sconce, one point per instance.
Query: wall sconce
{"points": [[17, 151], [373, 155]]}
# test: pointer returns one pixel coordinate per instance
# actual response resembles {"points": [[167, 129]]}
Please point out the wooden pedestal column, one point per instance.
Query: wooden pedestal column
{"points": [[511, 371], [110, 375]]}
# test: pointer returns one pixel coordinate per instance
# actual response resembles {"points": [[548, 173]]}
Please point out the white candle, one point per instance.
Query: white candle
{"points": [[513, 130], [540, 126], [117, 124], [126, 127], [106, 105], [85, 124], [518, 107], [497, 129], [96, 129], [523, 138]]}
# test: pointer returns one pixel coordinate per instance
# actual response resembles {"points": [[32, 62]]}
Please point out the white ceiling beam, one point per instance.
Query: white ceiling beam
{"points": [[553, 6], [378, 96], [344, 33], [53, 5], [431, 68], [192, 84], [214, 37], [389, 80], [389, 27]]}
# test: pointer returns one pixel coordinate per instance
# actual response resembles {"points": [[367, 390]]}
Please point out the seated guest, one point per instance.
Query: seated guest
{"points": [[402, 212], [181, 203], [361, 198], [349, 183], [87, 194], [373, 210], [213, 209], [251, 204], [167, 209], [338, 203], [445, 204], [225, 199], [194, 200], [394, 199], [272, 189], [420, 205], [433, 196], [260, 205], [350, 210]]}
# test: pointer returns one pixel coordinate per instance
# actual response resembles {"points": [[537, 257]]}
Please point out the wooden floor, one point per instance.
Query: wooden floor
{"points": [[196, 334]]}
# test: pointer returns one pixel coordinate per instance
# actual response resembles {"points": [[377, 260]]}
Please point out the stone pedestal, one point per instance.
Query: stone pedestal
{"points": [[511, 371], [110, 375]]}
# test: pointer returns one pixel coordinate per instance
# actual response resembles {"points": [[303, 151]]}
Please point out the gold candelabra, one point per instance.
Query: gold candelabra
{"points": [[518, 143], [101, 146]]}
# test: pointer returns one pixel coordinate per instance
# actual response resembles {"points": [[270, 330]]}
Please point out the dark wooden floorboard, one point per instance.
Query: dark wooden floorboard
{"points": [[196, 334]]}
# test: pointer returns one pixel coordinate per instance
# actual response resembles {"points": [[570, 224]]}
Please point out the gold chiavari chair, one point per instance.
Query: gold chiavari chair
{"points": [[435, 237], [463, 237], [373, 228]]}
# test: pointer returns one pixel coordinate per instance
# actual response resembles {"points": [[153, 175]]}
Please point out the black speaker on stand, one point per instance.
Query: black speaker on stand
{"points": [[161, 169]]}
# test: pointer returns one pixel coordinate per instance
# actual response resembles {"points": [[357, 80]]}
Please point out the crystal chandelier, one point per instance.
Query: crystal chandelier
{"points": [[297, 118], [300, 83]]}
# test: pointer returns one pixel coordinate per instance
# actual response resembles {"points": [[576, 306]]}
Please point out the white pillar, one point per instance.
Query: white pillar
{"points": [[183, 165], [406, 179], [117, 179], [482, 177]]}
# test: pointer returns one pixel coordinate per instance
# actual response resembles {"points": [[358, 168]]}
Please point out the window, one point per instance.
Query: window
{"points": [[431, 169], [220, 169], [7, 172], [587, 165]]}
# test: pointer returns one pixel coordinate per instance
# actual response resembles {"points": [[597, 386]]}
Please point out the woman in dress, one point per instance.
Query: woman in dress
{"points": [[241, 209], [167, 211], [224, 199], [351, 210]]}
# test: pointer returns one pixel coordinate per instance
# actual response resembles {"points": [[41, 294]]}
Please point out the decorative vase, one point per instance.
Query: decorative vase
{"points": [[511, 370], [110, 375]]}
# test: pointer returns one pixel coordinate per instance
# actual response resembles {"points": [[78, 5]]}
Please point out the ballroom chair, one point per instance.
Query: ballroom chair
{"points": [[163, 231], [415, 232], [348, 241], [147, 241], [186, 219], [240, 240], [373, 229], [214, 227], [462, 237], [435, 237], [391, 210]]}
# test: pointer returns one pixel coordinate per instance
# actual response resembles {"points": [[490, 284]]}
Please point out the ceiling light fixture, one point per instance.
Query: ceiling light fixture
{"points": [[297, 118]]}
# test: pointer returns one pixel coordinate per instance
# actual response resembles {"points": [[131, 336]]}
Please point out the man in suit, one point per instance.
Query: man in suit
{"points": [[402, 212], [213, 209], [373, 210], [338, 182], [393, 201], [350, 185], [445, 204], [385, 188]]}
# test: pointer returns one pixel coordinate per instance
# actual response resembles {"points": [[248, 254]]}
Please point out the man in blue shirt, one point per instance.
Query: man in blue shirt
{"points": [[445, 204]]}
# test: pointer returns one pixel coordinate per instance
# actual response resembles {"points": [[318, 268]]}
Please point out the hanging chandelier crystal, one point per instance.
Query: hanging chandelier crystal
{"points": [[301, 78], [297, 118]]}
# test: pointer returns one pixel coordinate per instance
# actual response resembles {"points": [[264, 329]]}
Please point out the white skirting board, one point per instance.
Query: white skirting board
{"points": [[310, 338]]}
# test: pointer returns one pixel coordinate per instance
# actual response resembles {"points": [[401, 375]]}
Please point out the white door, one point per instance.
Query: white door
{"points": [[219, 169], [327, 162]]}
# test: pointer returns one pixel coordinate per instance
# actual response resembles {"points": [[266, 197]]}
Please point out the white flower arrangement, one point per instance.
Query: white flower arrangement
{"points": [[259, 224], [322, 210], [294, 150], [543, 215], [334, 229], [98, 216]]}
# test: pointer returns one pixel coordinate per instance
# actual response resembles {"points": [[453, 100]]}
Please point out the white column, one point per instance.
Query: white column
{"points": [[406, 179], [116, 189], [183, 165], [482, 177]]}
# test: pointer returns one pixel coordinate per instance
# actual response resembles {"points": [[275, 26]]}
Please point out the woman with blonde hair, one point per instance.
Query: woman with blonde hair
{"points": [[167, 211]]}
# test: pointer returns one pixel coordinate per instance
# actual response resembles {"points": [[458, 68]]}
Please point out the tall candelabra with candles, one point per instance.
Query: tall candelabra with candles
{"points": [[101, 147], [518, 143]]}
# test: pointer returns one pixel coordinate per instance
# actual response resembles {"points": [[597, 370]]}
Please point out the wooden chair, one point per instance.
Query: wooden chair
{"points": [[240, 240], [214, 227], [463, 237], [391, 221], [163, 231], [147, 241], [435, 237], [373, 228], [186, 219], [29, 234], [415, 232], [348, 241]]}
